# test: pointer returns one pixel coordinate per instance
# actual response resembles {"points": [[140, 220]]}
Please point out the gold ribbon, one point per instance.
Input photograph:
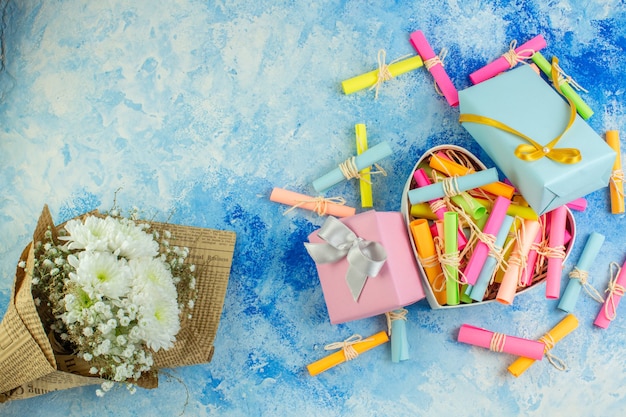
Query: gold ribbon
{"points": [[533, 150]]}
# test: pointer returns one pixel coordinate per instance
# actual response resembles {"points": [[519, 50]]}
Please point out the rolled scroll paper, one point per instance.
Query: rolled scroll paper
{"points": [[517, 261], [350, 349], [350, 168], [580, 204], [579, 276], [434, 65], [445, 165], [365, 183], [469, 205], [615, 291], [438, 205], [427, 254], [616, 184], [567, 85], [531, 259], [555, 335], [509, 245], [383, 73], [452, 186], [423, 211], [493, 259], [396, 323], [333, 206], [499, 342], [464, 297], [556, 252], [509, 59], [514, 210], [486, 240], [450, 263]]}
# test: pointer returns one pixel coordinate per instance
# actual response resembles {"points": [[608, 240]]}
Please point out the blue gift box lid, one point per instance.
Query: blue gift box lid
{"points": [[524, 101]]}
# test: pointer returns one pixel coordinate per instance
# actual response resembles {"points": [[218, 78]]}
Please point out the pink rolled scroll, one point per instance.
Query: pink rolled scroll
{"points": [[517, 261], [556, 253], [435, 67], [615, 291], [548, 221], [439, 207], [580, 204], [481, 250], [499, 342], [531, 261], [525, 51], [320, 205]]}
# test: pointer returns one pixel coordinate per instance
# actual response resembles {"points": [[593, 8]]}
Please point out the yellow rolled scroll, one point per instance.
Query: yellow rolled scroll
{"points": [[558, 332]]}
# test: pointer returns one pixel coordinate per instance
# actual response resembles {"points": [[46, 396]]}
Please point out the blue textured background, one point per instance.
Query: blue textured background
{"points": [[196, 109]]}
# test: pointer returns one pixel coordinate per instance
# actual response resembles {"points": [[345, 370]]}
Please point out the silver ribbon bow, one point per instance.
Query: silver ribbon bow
{"points": [[365, 258]]}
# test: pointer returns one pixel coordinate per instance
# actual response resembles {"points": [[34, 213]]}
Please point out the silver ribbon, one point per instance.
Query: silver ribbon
{"points": [[365, 258]]}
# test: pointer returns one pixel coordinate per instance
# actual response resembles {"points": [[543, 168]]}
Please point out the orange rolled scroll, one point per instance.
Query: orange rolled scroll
{"points": [[356, 347], [558, 332], [451, 168], [427, 253]]}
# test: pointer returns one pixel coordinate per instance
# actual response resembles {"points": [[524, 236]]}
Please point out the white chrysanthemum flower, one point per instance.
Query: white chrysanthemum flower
{"points": [[152, 275], [130, 240], [101, 273], [159, 320], [92, 235]]}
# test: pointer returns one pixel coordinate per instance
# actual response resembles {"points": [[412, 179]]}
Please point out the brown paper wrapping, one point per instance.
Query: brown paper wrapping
{"points": [[29, 366]]}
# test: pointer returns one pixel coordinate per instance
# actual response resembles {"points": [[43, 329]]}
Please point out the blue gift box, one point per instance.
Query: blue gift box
{"points": [[523, 101]]}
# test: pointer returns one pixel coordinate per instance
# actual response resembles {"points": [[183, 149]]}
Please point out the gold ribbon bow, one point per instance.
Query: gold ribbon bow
{"points": [[533, 150]]}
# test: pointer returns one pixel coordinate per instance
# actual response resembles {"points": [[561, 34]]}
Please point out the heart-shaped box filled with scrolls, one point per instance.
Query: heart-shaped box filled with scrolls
{"points": [[514, 243]]}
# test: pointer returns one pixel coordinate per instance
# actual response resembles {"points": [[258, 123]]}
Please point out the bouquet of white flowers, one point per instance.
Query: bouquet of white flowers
{"points": [[116, 292], [112, 293]]}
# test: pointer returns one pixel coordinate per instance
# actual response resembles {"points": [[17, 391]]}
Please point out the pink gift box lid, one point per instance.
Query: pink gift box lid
{"points": [[397, 284]]}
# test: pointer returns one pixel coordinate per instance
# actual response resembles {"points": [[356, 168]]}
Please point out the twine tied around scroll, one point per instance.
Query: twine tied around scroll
{"points": [[583, 278], [514, 58], [501, 263], [549, 343], [562, 77], [321, 204], [453, 261], [497, 342], [617, 176], [436, 60], [394, 315], [383, 70], [439, 283], [348, 350], [438, 204], [518, 258], [450, 186], [557, 252], [614, 289], [350, 170], [540, 247]]}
